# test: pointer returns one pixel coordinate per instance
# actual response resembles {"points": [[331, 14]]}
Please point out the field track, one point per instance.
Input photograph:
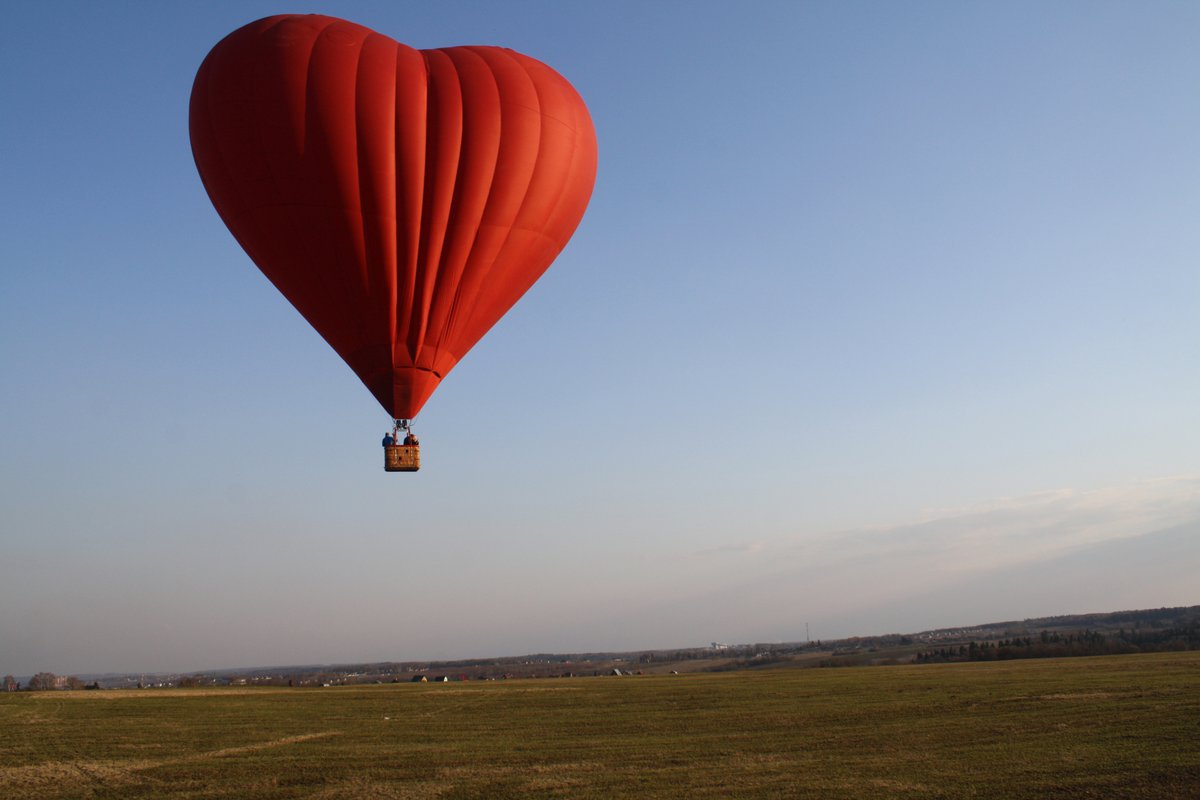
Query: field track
{"points": [[1111, 727]]}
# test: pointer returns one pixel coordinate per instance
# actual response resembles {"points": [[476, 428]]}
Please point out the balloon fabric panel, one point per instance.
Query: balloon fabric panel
{"points": [[402, 200]]}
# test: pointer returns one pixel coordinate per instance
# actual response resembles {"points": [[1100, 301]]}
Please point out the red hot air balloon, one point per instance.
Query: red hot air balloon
{"points": [[402, 200]]}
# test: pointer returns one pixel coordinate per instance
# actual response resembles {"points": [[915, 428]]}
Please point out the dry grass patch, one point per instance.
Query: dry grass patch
{"points": [[66, 775]]}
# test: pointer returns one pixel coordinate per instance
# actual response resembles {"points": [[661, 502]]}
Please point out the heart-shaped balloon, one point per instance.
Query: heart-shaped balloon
{"points": [[403, 200]]}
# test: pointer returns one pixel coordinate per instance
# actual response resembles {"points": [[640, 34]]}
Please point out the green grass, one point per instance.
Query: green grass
{"points": [[1118, 726]]}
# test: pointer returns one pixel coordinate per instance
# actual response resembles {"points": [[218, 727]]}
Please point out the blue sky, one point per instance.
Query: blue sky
{"points": [[882, 317]]}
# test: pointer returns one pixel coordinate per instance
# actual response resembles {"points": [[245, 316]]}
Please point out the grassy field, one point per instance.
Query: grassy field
{"points": [[1118, 726]]}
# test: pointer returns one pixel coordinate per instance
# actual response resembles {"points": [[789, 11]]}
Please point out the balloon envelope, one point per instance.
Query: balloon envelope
{"points": [[402, 200]]}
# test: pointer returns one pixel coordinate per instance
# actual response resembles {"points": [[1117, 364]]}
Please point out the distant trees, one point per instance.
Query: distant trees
{"points": [[42, 682], [45, 681], [10, 684], [1052, 644], [192, 681]]}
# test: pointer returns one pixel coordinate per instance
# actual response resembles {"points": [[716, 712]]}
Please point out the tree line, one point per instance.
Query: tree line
{"points": [[1049, 644], [44, 682]]}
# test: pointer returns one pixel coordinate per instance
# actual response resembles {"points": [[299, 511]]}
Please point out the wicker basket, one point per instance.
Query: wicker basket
{"points": [[402, 458]]}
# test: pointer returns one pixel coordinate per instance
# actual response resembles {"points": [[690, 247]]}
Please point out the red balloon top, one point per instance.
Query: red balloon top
{"points": [[401, 199]]}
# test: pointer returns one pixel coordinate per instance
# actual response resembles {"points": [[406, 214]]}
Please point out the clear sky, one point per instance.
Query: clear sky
{"points": [[883, 317]]}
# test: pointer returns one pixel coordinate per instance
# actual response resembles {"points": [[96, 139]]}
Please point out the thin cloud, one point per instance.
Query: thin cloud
{"points": [[875, 573], [733, 548], [1013, 530]]}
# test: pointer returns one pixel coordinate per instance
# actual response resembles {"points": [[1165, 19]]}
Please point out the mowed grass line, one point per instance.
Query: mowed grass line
{"points": [[1121, 726]]}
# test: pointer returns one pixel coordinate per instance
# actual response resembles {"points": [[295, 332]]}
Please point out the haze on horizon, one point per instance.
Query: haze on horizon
{"points": [[881, 319]]}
